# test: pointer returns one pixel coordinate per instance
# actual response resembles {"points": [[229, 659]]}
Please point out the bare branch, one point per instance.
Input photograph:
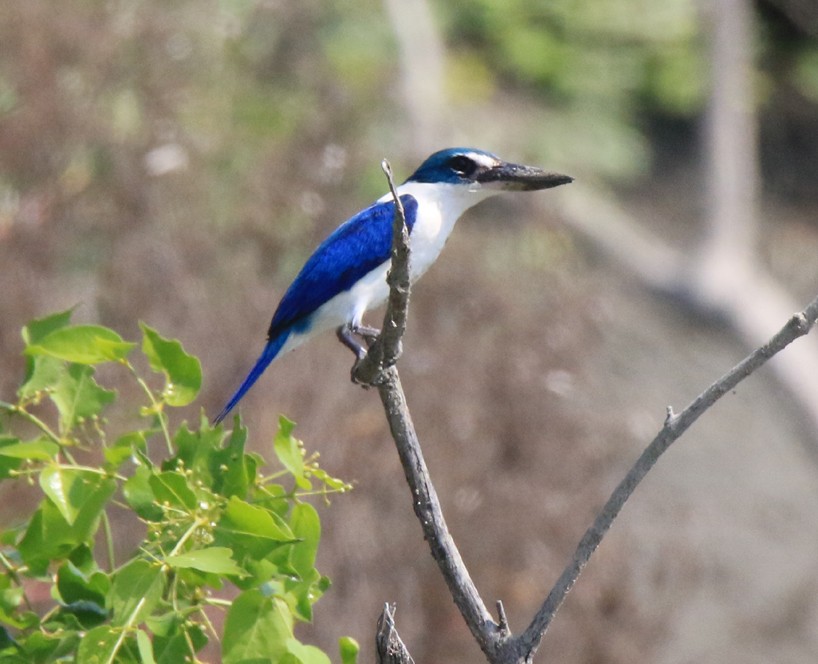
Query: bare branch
{"points": [[394, 324], [675, 425], [386, 349], [427, 509], [377, 369], [389, 647]]}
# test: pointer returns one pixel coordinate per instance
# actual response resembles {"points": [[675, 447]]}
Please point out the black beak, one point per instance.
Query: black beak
{"points": [[515, 177]]}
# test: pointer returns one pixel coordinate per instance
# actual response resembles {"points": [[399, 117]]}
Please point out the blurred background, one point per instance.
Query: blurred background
{"points": [[175, 162]]}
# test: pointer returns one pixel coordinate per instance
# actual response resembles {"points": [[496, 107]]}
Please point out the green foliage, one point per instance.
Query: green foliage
{"points": [[211, 517], [596, 69]]}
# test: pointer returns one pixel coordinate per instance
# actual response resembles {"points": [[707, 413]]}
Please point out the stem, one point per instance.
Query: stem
{"points": [[197, 523], [428, 511], [72, 466], [12, 572], [125, 629], [377, 369], [33, 419], [216, 601], [156, 406], [209, 624], [109, 540]]}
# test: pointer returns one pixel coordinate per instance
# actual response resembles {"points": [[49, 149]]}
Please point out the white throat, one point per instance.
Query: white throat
{"points": [[439, 208]]}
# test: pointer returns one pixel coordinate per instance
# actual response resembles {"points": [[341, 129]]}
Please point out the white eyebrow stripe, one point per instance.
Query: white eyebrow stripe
{"points": [[482, 159]]}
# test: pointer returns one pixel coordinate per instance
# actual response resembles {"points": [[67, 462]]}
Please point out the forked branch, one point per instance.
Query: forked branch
{"points": [[378, 369]]}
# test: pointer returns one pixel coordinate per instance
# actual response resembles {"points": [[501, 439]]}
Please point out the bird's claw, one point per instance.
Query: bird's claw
{"points": [[368, 334], [354, 377]]}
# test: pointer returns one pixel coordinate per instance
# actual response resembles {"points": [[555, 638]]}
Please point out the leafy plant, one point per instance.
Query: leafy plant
{"points": [[211, 516]]}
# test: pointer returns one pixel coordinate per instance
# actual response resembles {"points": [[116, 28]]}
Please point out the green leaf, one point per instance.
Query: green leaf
{"points": [[124, 448], [83, 344], [197, 448], [45, 538], [10, 616], [75, 586], [40, 647], [79, 615], [136, 590], [10, 597], [70, 489], [50, 537], [145, 646], [83, 559], [183, 372], [349, 649], [99, 645], [306, 526], [301, 595], [8, 463], [307, 654], [139, 494], [42, 327], [256, 530], [172, 488], [257, 629], [290, 452], [163, 624], [42, 372], [230, 467], [170, 645], [35, 450], [77, 395], [214, 559]]}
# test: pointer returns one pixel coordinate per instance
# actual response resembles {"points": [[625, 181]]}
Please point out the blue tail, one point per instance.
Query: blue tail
{"points": [[268, 355]]}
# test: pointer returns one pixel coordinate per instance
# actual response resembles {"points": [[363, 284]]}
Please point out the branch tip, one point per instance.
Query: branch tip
{"points": [[675, 426], [389, 646], [502, 620], [801, 324]]}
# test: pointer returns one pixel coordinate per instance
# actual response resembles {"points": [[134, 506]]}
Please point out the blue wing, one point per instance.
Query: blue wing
{"points": [[354, 249]]}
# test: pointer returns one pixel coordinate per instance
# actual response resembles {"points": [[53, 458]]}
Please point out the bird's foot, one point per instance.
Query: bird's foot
{"points": [[346, 335], [368, 334], [350, 336], [353, 375]]}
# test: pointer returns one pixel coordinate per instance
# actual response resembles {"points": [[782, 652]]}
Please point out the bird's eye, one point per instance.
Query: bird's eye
{"points": [[462, 165]]}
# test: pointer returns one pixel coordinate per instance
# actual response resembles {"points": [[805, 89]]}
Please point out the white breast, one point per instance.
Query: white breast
{"points": [[439, 208]]}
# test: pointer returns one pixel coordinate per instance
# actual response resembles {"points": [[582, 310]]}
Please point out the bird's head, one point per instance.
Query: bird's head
{"points": [[479, 171]]}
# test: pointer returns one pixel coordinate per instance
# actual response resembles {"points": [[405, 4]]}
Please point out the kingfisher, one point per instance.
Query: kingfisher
{"points": [[346, 274]]}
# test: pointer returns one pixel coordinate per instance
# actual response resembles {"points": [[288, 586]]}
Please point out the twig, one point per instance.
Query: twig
{"points": [[386, 349], [378, 369], [675, 425], [427, 509], [389, 647], [394, 324]]}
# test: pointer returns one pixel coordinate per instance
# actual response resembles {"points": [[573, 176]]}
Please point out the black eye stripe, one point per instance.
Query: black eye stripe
{"points": [[462, 164]]}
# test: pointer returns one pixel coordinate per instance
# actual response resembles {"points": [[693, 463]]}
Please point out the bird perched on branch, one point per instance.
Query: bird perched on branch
{"points": [[346, 275]]}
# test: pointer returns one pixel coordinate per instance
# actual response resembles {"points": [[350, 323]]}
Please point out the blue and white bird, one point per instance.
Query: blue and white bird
{"points": [[346, 275]]}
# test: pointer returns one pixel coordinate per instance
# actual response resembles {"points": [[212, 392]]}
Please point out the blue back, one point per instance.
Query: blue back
{"points": [[355, 248]]}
